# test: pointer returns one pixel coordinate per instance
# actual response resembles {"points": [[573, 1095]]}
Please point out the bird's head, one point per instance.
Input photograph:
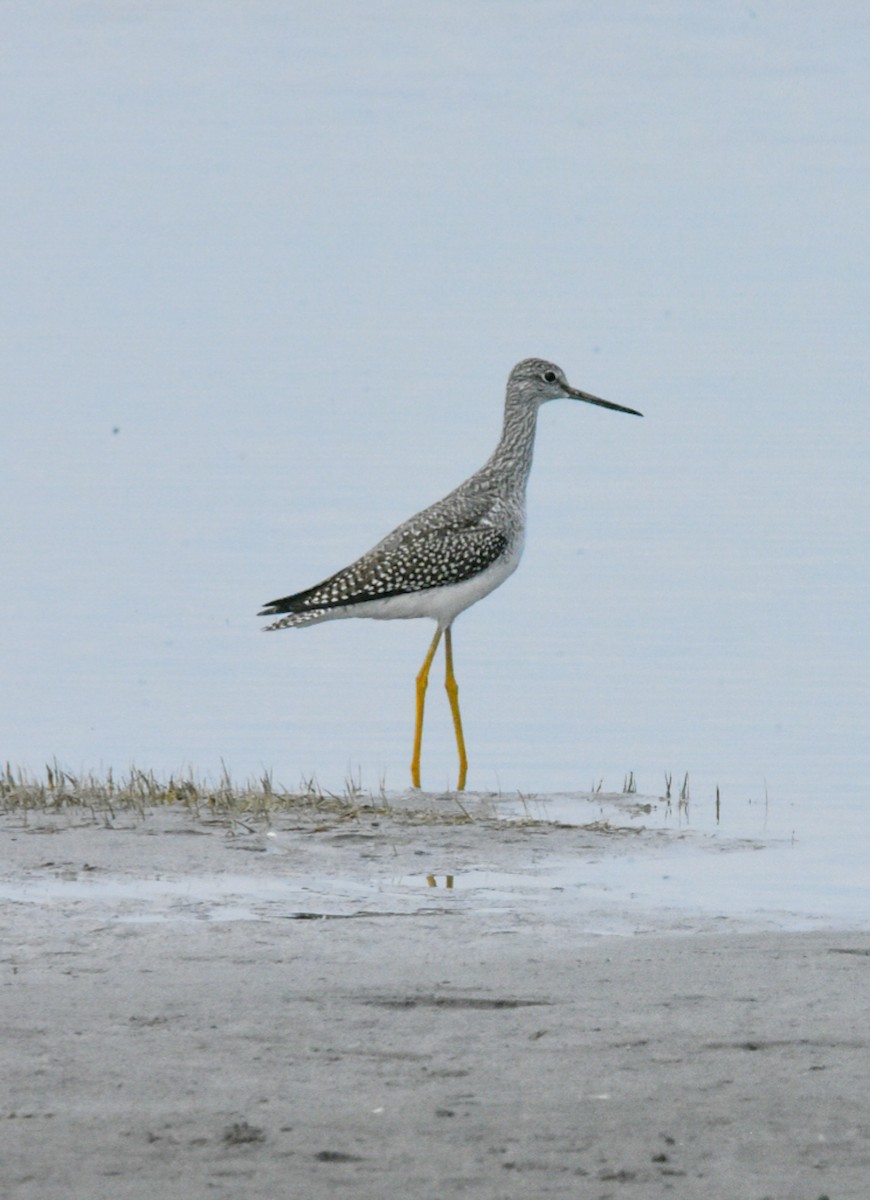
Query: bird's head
{"points": [[536, 381]]}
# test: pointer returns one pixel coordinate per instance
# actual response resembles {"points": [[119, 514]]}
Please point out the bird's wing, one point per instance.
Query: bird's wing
{"points": [[419, 555]]}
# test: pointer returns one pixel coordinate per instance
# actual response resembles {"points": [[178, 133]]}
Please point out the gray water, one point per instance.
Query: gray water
{"points": [[266, 268]]}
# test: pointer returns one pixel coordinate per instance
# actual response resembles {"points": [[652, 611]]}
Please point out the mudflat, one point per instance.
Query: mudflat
{"points": [[206, 1008]]}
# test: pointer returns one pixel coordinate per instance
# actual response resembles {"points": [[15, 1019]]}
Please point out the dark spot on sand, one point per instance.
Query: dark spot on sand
{"points": [[241, 1134]]}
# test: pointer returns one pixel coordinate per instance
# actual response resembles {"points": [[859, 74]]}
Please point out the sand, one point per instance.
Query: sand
{"points": [[193, 1008]]}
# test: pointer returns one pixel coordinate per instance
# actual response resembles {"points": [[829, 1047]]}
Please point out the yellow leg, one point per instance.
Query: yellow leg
{"points": [[422, 684], [453, 696]]}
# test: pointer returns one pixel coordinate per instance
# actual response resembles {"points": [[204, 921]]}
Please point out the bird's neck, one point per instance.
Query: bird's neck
{"points": [[512, 457]]}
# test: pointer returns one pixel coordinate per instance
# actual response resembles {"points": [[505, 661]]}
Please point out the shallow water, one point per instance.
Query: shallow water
{"points": [[643, 867], [266, 272]]}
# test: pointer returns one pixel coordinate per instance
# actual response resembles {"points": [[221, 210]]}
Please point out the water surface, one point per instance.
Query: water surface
{"points": [[266, 270]]}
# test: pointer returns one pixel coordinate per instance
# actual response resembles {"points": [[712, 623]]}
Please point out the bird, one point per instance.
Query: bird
{"points": [[451, 554]]}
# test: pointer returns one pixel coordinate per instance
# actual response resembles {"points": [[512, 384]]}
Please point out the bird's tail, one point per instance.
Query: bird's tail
{"points": [[294, 620]]}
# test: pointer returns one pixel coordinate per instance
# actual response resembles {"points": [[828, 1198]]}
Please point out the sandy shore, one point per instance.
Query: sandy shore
{"points": [[194, 1009]]}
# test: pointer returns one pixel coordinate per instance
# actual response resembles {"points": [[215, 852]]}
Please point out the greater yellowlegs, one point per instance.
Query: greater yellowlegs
{"points": [[451, 554]]}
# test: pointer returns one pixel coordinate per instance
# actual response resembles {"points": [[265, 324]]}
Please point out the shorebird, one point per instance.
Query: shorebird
{"points": [[451, 554]]}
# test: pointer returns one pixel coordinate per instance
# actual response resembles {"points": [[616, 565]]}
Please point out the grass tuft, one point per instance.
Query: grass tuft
{"points": [[62, 791], [101, 799]]}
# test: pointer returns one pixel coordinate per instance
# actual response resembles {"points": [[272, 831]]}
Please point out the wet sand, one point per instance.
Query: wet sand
{"points": [[191, 1008]]}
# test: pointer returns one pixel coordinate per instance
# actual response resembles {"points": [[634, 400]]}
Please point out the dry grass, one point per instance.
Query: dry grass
{"points": [[138, 792]]}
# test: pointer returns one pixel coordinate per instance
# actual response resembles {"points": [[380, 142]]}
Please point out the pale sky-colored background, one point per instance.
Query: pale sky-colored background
{"points": [[265, 269]]}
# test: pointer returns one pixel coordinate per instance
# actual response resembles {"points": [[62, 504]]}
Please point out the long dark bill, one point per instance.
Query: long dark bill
{"points": [[576, 394]]}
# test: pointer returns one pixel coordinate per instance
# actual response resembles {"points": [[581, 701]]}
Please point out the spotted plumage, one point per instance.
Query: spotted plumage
{"points": [[451, 554], [447, 544]]}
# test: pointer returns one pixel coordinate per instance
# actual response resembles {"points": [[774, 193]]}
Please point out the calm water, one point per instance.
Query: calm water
{"points": [[265, 271]]}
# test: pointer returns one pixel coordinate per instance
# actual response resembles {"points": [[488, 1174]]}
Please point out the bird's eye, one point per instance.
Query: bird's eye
{"points": [[550, 376]]}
